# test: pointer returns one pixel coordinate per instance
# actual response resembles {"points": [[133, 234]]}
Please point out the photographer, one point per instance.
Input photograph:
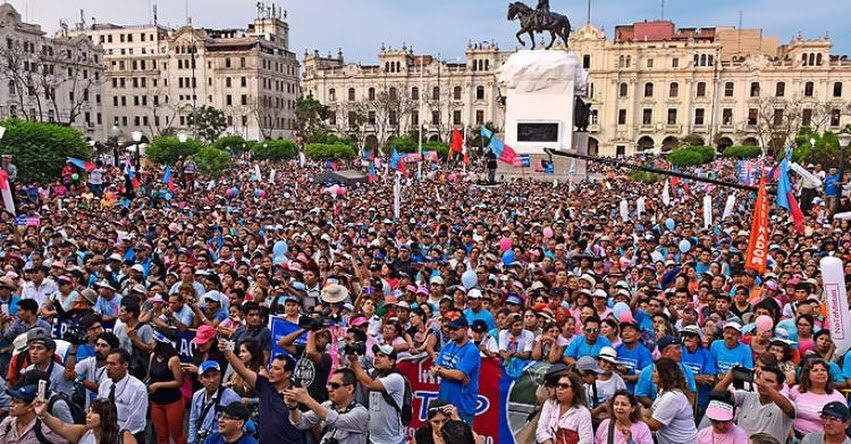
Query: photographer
{"points": [[386, 394], [343, 420], [765, 411], [208, 402], [89, 372], [314, 363]]}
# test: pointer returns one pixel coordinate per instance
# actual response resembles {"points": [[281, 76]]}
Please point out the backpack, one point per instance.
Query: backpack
{"points": [[406, 411], [77, 414]]}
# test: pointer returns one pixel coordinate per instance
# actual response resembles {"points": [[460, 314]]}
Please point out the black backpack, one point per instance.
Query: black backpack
{"points": [[77, 414], [406, 411]]}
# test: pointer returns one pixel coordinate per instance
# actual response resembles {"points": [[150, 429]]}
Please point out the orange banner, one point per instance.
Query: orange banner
{"points": [[757, 258]]}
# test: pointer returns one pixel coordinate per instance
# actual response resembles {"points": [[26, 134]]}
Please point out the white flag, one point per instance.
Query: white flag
{"points": [[666, 194], [728, 207], [624, 210], [257, 175], [437, 194], [397, 195], [707, 211], [272, 176], [639, 204]]}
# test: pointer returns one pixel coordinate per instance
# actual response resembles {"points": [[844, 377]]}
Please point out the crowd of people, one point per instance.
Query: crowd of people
{"points": [[647, 322]]}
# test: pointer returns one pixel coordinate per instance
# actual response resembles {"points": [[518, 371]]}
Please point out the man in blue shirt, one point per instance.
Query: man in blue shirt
{"points": [[206, 403], [832, 184], [700, 361], [588, 344], [476, 310], [633, 356], [458, 365], [671, 348], [730, 352]]}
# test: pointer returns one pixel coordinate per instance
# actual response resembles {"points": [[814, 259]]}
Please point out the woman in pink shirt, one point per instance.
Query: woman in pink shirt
{"points": [[627, 427], [565, 417], [814, 391]]}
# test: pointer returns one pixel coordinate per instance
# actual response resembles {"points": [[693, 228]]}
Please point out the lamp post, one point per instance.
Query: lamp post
{"points": [[114, 132], [844, 140], [812, 149], [137, 137]]}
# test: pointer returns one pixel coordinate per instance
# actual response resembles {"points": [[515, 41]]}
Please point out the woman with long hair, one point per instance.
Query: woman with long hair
{"points": [[101, 424], [565, 417], [811, 394], [250, 354], [624, 421], [781, 350], [672, 415], [166, 399]]}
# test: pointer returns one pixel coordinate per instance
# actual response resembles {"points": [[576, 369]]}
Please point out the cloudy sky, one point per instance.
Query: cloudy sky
{"points": [[444, 26]]}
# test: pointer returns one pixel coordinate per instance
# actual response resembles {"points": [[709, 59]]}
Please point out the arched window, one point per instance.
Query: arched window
{"points": [[624, 89], [435, 92], [818, 59], [804, 59], [398, 66], [456, 93], [371, 94], [755, 90], [701, 89], [648, 89], [674, 89], [812, 60], [332, 94], [621, 63]]}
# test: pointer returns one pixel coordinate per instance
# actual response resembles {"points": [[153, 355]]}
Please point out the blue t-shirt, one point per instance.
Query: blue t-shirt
{"points": [[647, 388], [274, 424], [830, 188], [484, 315], [468, 360], [578, 347], [217, 438], [701, 363], [635, 360], [726, 358]]}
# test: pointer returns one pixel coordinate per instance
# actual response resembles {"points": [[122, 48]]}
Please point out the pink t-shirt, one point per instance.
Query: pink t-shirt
{"points": [[809, 407], [640, 434], [734, 436]]}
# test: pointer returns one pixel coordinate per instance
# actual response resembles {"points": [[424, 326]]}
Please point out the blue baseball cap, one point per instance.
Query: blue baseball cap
{"points": [[209, 365], [26, 393]]}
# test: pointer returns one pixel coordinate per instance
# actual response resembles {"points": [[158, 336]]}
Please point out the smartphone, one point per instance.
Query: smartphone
{"points": [[743, 374], [42, 390], [230, 346], [5, 309]]}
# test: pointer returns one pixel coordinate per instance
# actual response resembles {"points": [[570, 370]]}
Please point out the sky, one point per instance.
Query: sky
{"points": [[444, 27]]}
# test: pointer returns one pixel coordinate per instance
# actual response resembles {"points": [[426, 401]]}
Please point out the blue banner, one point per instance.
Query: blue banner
{"points": [[525, 160], [281, 328]]}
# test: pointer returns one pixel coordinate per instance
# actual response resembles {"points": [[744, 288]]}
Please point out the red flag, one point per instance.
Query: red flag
{"points": [[507, 155], [757, 257], [457, 144], [797, 214]]}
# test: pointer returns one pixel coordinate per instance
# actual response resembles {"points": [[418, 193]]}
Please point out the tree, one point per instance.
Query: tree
{"points": [[268, 112], [165, 150], [40, 149], [231, 143], [275, 149], [213, 161], [209, 123], [309, 115]]}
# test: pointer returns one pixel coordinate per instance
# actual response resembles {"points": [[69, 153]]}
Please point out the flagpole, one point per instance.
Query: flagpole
{"points": [[464, 150], [420, 122]]}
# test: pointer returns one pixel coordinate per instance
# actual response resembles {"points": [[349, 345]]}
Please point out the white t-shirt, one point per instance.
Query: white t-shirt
{"points": [[674, 411], [605, 389], [754, 417], [521, 344], [385, 425]]}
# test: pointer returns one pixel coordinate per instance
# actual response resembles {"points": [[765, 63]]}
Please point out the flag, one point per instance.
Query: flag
{"points": [[786, 198], [132, 176], [457, 143], [397, 194], [757, 257], [396, 162], [372, 175], [666, 194], [81, 164], [169, 179], [504, 152]]}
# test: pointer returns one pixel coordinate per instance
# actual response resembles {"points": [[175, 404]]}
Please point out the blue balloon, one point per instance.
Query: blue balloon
{"points": [[256, 193], [278, 260], [670, 224], [508, 257], [619, 308], [685, 246], [280, 248], [469, 279], [167, 196]]}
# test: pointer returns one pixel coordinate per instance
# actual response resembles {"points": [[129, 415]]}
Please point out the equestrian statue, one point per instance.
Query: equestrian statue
{"points": [[539, 20]]}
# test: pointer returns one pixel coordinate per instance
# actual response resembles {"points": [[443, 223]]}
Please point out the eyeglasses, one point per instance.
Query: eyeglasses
{"points": [[564, 385], [592, 330], [229, 418], [335, 385]]}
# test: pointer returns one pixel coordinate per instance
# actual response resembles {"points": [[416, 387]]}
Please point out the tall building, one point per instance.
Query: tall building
{"points": [[48, 79], [157, 77], [652, 87]]}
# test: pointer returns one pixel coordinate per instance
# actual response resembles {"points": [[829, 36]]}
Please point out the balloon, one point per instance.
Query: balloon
{"points": [[256, 193], [764, 323], [341, 191], [229, 192], [333, 189], [508, 257], [670, 224], [548, 232], [75, 176], [262, 193], [280, 248], [278, 260], [620, 308], [685, 246], [167, 196], [469, 279], [505, 244]]}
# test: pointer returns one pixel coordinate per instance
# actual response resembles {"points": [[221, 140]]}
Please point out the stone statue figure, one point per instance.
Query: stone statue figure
{"points": [[539, 20], [581, 115]]}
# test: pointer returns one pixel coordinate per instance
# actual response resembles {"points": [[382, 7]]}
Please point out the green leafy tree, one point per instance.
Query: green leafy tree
{"points": [[40, 149], [402, 144], [209, 123], [212, 161], [309, 115], [275, 149], [688, 156], [321, 151], [827, 151], [231, 143], [163, 150], [742, 152]]}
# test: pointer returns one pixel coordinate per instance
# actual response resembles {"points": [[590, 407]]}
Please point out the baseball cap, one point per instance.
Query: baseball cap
{"points": [[719, 410], [479, 326], [666, 341], [237, 410], [734, 325], [28, 393], [207, 366], [475, 293], [589, 364], [514, 300], [384, 349], [455, 324], [691, 330], [204, 334], [835, 409]]}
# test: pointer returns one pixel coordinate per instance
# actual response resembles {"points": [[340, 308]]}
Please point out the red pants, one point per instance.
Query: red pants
{"points": [[168, 421]]}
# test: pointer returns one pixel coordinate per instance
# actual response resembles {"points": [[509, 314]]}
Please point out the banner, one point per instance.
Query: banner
{"points": [[837, 319], [425, 388], [707, 211], [728, 207], [523, 161], [757, 258], [280, 328]]}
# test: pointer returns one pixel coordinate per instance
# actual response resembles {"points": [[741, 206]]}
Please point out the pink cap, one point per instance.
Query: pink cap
{"points": [[358, 321]]}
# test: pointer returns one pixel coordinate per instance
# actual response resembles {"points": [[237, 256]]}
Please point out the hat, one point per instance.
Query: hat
{"points": [[157, 298], [291, 298], [666, 341], [459, 323], [358, 321], [334, 293], [237, 410], [159, 337], [691, 330], [105, 284], [475, 293], [37, 333], [207, 366], [734, 325], [204, 334], [537, 285], [588, 278], [401, 304], [138, 288], [7, 283], [600, 293], [719, 410], [20, 343], [28, 393], [556, 370], [514, 300], [385, 349], [479, 326], [608, 354], [64, 280], [436, 280], [214, 295], [836, 409], [588, 364], [90, 296], [138, 268]]}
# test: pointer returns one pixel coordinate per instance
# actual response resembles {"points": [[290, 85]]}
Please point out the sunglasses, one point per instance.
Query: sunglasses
{"points": [[563, 385], [335, 385], [592, 330]]}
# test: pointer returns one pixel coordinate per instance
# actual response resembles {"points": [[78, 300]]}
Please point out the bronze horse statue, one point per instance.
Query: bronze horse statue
{"points": [[531, 21]]}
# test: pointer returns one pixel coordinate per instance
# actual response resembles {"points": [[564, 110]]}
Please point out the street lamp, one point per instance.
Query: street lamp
{"points": [[137, 137], [182, 137], [812, 149], [844, 140]]}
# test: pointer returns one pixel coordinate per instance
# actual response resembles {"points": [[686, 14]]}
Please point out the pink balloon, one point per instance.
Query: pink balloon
{"points": [[764, 323], [341, 191], [548, 232], [505, 244], [229, 192], [262, 193]]}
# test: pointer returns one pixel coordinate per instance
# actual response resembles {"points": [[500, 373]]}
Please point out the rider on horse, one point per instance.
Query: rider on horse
{"points": [[542, 12]]}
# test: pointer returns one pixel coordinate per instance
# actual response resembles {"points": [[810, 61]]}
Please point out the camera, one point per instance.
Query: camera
{"points": [[355, 348], [743, 374], [314, 324], [76, 335]]}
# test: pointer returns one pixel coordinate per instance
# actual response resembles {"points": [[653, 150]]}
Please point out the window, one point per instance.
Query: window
{"points": [[809, 88], [456, 93], [393, 94], [837, 89], [674, 90], [480, 117], [647, 116], [228, 100], [624, 89], [729, 89], [435, 117], [778, 117], [754, 89], [332, 94], [780, 89], [456, 117], [699, 116], [807, 117], [621, 117], [393, 118], [371, 94], [227, 82], [480, 92], [415, 93], [701, 89], [595, 117], [243, 82], [835, 117], [415, 117], [672, 116], [675, 62], [435, 92], [727, 116], [649, 63], [370, 118], [648, 89], [332, 118], [586, 61]]}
